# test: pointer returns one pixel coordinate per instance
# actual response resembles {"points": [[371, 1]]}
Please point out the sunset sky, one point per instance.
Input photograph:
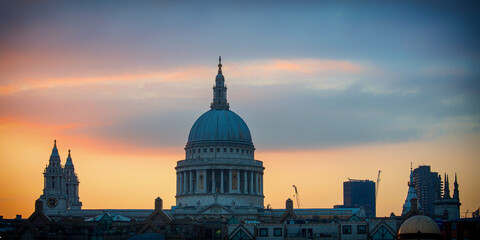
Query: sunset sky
{"points": [[329, 91]]}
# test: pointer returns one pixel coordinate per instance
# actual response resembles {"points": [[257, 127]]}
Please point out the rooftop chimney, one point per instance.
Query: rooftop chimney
{"points": [[289, 205], [39, 205], [158, 204]]}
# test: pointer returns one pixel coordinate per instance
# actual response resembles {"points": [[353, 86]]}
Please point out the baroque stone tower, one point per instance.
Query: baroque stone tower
{"points": [[72, 184], [60, 190]]}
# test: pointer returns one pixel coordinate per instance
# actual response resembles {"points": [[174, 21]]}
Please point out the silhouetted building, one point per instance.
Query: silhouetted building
{"points": [[360, 193], [448, 207], [434, 195], [428, 186]]}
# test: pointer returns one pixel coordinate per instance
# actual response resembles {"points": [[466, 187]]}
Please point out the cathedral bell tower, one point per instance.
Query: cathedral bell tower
{"points": [[54, 196], [72, 184]]}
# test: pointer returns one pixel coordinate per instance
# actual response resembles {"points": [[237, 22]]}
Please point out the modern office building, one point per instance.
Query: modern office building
{"points": [[360, 193], [428, 186]]}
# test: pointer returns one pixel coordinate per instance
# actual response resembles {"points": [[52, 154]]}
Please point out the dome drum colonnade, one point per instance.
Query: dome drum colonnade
{"points": [[219, 163]]}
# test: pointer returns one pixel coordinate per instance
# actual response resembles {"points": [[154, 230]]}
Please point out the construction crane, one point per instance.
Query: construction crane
{"points": [[297, 196], [378, 184]]}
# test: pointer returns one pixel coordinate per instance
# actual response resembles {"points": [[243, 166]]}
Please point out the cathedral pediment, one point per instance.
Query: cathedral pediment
{"points": [[216, 209]]}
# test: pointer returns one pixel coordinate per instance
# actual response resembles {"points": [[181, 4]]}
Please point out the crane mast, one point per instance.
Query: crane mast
{"points": [[297, 197], [378, 184]]}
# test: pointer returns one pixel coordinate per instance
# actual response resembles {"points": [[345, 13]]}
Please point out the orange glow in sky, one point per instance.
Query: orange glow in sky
{"points": [[118, 176], [329, 91]]}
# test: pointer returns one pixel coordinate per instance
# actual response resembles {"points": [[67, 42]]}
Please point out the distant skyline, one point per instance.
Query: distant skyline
{"points": [[329, 91]]}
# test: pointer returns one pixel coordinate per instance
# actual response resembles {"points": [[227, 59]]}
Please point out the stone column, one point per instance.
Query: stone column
{"points": [[245, 180], [213, 180], [177, 183], [221, 180], [197, 182], [181, 183], [258, 183], [190, 180], [185, 188], [251, 182], [230, 180], [261, 184], [254, 183]]}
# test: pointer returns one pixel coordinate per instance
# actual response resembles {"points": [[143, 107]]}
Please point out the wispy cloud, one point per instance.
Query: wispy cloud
{"points": [[305, 73], [315, 73]]}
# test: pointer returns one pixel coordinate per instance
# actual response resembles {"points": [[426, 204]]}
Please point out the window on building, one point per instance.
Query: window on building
{"points": [[233, 220], [224, 149], [234, 180], [347, 229], [218, 149], [204, 150], [193, 150], [263, 232], [211, 149], [307, 232], [231, 150], [277, 232], [218, 233], [241, 235], [383, 234], [208, 234], [238, 150], [243, 150], [361, 229]]}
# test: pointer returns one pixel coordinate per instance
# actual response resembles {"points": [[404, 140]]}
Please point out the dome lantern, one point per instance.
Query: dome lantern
{"points": [[219, 90]]}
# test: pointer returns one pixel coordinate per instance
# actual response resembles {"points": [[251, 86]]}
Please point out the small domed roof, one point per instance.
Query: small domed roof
{"points": [[54, 149], [419, 227], [219, 125], [69, 159]]}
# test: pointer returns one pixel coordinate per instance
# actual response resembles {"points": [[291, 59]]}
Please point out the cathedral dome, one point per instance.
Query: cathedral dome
{"points": [[219, 125], [219, 166]]}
